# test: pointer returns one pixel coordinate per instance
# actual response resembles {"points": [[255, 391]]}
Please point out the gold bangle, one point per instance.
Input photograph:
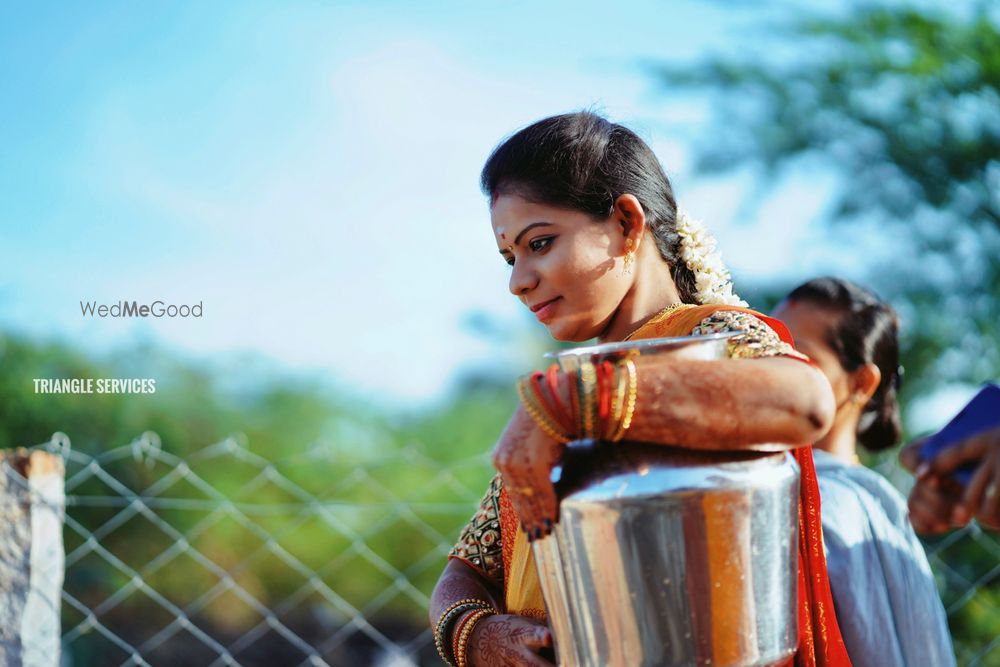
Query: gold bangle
{"points": [[537, 411], [628, 395], [617, 403], [453, 610], [556, 428], [534, 410], [462, 658], [455, 605], [545, 421], [633, 393]]}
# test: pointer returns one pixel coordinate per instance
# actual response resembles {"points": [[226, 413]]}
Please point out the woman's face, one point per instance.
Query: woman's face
{"points": [[809, 325], [566, 267]]}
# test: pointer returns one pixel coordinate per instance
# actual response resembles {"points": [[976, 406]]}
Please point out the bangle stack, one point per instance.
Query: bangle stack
{"points": [[602, 397], [463, 632], [544, 410], [459, 616]]}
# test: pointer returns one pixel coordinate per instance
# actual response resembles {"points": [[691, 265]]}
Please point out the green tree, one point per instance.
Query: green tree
{"points": [[904, 103]]}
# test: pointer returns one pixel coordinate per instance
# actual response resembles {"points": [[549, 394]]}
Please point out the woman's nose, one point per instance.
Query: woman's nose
{"points": [[522, 279]]}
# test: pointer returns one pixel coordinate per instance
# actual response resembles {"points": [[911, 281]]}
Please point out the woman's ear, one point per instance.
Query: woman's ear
{"points": [[630, 216], [865, 381]]}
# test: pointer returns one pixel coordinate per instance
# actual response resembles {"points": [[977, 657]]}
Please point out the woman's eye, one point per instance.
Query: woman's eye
{"points": [[534, 245], [540, 244]]}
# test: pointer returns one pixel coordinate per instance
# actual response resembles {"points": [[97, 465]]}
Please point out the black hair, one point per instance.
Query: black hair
{"points": [[583, 162], [866, 332]]}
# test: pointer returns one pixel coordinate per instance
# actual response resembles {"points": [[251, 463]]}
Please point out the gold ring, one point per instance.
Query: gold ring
{"points": [[991, 490]]}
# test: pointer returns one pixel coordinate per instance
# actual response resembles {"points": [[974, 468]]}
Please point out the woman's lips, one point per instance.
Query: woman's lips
{"points": [[545, 311]]}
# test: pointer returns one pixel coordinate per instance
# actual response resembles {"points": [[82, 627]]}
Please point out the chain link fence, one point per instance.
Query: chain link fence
{"points": [[224, 557]]}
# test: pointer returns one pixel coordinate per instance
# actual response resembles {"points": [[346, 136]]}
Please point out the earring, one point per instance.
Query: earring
{"points": [[629, 258]]}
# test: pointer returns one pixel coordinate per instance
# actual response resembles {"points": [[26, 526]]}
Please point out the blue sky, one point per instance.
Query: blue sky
{"points": [[309, 170]]}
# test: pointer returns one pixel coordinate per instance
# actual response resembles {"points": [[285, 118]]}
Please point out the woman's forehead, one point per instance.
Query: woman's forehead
{"points": [[510, 207], [511, 213], [807, 320]]}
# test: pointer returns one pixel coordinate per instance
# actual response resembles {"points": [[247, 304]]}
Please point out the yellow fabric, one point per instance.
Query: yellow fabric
{"points": [[523, 590]]}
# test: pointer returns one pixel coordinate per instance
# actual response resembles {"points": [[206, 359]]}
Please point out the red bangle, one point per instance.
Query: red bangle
{"points": [[604, 391]]}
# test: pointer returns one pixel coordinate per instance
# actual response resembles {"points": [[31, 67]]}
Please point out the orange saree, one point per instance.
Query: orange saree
{"points": [[820, 642]]}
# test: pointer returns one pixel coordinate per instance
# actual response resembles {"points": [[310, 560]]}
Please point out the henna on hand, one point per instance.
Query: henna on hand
{"points": [[508, 641], [931, 510], [525, 457]]}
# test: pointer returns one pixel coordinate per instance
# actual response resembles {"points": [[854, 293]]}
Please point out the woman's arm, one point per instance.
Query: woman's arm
{"points": [[501, 640], [777, 402], [460, 582], [729, 404]]}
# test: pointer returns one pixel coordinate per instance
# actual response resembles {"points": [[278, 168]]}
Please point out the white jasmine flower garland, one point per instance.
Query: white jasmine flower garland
{"points": [[698, 250]]}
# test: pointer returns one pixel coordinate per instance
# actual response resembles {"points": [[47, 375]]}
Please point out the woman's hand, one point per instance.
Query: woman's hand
{"points": [[525, 457], [933, 507], [507, 640]]}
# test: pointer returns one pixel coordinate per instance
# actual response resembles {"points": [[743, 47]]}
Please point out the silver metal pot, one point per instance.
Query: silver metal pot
{"points": [[664, 556]]}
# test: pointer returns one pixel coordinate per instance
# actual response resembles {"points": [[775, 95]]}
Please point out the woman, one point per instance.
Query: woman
{"points": [[583, 212], [883, 589]]}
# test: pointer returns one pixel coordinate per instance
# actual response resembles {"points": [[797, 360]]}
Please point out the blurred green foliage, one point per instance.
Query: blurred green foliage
{"points": [[903, 103], [336, 504]]}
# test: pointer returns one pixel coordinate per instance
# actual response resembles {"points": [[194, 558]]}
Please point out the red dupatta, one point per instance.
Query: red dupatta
{"points": [[820, 641]]}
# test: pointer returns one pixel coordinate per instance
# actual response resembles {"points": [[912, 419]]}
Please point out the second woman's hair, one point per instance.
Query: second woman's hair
{"points": [[583, 162], [866, 332]]}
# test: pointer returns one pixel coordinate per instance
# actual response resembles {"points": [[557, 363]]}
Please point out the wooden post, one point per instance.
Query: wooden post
{"points": [[32, 503]]}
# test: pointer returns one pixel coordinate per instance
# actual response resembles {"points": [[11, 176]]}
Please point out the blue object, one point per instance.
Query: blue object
{"points": [[982, 413]]}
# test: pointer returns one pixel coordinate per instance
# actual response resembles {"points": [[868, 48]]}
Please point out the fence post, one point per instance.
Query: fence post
{"points": [[32, 503]]}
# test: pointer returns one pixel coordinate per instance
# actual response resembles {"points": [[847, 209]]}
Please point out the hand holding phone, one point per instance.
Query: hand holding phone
{"points": [[958, 469], [980, 415]]}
